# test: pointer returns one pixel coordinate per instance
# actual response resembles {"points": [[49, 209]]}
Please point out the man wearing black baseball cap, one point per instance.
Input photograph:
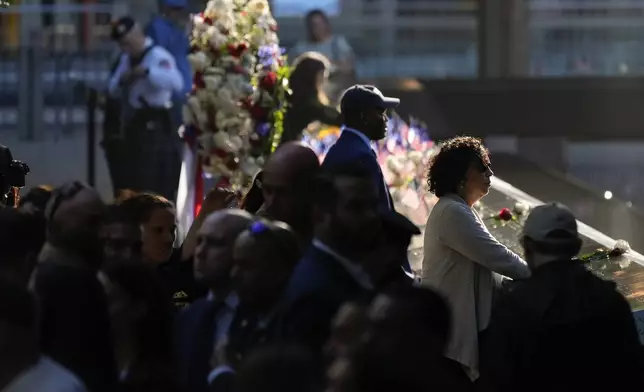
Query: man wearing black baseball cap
{"points": [[364, 109]]}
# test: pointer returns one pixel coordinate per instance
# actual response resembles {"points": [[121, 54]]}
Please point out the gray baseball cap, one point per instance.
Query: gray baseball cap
{"points": [[551, 223]]}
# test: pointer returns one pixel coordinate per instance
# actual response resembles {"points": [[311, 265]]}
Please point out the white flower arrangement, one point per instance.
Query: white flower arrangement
{"points": [[240, 84]]}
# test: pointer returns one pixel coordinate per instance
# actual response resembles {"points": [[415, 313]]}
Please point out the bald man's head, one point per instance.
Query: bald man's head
{"points": [[294, 160], [287, 184], [74, 215], [215, 241]]}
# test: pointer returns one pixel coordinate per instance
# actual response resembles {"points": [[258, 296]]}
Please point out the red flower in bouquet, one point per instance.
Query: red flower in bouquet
{"points": [[197, 81], [268, 81], [237, 50], [238, 69], [247, 103], [219, 152], [259, 113], [505, 214]]}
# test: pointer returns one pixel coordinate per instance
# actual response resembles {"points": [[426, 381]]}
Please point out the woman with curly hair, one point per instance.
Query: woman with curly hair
{"points": [[462, 260]]}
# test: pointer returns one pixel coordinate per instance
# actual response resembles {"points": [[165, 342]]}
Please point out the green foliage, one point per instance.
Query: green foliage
{"points": [[282, 92]]}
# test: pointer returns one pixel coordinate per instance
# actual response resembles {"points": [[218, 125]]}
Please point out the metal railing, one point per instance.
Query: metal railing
{"points": [[45, 91], [49, 53]]}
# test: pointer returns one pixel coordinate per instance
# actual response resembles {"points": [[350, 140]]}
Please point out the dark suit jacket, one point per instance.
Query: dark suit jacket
{"points": [[349, 148], [557, 328], [75, 324], [194, 342], [318, 287]]}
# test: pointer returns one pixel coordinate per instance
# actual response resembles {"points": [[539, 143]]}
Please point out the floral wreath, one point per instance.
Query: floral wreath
{"points": [[234, 115]]}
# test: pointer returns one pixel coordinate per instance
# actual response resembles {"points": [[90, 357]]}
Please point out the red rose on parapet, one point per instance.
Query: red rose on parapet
{"points": [[505, 214]]}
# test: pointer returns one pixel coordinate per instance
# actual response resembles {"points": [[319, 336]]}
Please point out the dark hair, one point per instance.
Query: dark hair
{"points": [[254, 198], [141, 206], [61, 194], [20, 233], [38, 196], [279, 235], [281, 368], [309, 17], [303, 79], [141, 282], [447, 169], [326, 192]]}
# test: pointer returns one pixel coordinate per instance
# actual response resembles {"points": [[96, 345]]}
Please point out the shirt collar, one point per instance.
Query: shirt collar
{"points": [[356, 272], [359, 134], [148, 42]]}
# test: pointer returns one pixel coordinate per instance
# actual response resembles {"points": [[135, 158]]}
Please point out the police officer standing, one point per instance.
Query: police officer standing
{"points": [[145, 79]]}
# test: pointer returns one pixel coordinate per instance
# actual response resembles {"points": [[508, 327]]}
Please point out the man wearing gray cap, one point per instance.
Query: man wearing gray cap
{"points": [[563, 325], [364, 109]]}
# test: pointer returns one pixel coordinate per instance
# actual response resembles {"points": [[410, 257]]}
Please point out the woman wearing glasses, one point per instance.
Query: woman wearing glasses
{"points": [[462, 260]]}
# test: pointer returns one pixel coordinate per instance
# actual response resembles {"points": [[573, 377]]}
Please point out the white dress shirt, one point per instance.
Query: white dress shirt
{"points": [[46, 376], [157, 87]]}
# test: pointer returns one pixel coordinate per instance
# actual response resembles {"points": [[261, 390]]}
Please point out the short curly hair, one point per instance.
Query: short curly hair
{"points": [[447, 169]]}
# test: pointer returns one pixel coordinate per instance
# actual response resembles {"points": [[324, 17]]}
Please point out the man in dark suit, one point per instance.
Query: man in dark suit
{"points": [[364, 109], [330, 273], [206, 323]]}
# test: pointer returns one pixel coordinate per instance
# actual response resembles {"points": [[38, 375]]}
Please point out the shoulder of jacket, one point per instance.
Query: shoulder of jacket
{"points": [[447, 209]]}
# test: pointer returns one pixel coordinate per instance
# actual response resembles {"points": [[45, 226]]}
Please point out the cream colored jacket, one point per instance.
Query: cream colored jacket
{"points": [[464, 262]]}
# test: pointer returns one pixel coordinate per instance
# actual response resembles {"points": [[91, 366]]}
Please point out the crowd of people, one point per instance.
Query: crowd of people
{"points": [[303, 282], [302, 285]]}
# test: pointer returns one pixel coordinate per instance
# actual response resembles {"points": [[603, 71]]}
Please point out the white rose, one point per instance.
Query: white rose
{"points": [[215, 37], [236, 140], [198, 61], [520, 208], [187, 115], [224, 141], [213, 82], [226, 22], [205, 141], [249, 167]]}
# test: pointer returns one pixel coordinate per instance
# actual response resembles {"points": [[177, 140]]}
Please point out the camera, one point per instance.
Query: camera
{"points": [[12, 173]]}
